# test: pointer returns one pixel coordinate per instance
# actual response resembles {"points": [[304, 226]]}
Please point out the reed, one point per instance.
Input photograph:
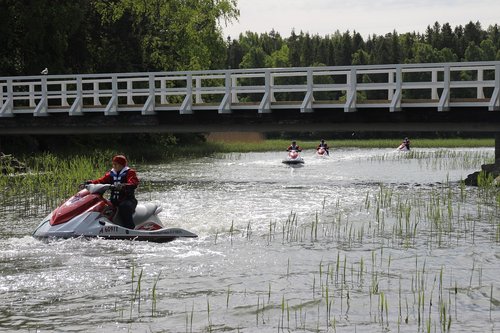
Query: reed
{"points": [[154, 296]]}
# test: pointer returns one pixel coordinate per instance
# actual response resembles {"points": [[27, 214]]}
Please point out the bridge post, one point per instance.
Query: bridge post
{"points": [[76, 107], [265, 103], [396, 98], [225, 105], [31, 88], [130, 87], [350, 101], [95, 86], [434, 80], [8, 106], [309, 98], [444, 101], [234, 95], [41, 107], [112, 107], [64, 94], [480, 79], [494, 104], [163, 88], [390, 80], [149, 106], [197, 96], [187, 104]]}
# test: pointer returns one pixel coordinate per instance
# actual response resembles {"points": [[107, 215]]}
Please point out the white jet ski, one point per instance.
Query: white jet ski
{"points": [[293, 157]]}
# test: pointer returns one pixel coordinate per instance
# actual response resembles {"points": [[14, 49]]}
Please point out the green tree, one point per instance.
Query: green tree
{"points": [[473, 53], [425, 53], [488, 50], [255, 58], [279, 58], [175, 34], [112, 35], [447, 55], [360, 57], [37, 34]]}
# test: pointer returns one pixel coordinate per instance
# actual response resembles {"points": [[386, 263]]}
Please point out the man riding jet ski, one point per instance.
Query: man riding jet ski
{"points": [[125, 182], [89, 214]]}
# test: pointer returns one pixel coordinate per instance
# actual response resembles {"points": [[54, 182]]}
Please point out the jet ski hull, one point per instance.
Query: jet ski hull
{"points": [[293, 162], [105, 229]]}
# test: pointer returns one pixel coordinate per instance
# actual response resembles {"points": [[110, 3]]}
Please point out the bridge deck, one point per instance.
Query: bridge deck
{"points": [[226, 94]]}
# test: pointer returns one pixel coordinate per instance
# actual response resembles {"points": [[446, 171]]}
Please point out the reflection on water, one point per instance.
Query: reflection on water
{"points": [[366, 240]]}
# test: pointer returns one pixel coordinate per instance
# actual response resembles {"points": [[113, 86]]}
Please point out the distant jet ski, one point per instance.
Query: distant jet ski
{"points": [[293, 157]]}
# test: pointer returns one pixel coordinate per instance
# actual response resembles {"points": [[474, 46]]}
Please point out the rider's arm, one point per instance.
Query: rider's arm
{"points": [[106, 179]]}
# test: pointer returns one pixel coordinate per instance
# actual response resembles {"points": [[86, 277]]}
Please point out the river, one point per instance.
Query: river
{"points": [[367, 240]]}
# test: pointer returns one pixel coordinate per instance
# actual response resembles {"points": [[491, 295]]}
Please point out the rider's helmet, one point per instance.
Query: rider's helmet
{"points": [[120, 159]]}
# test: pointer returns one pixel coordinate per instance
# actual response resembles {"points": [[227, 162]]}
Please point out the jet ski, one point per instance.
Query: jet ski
{"points": [[88, 214], [403, 147], [321, 152], [293, 157]]}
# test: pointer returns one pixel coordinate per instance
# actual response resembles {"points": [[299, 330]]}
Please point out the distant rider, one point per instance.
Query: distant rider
{"points": [[323, 145], [406, 143], [294, 146], [125, 182]]}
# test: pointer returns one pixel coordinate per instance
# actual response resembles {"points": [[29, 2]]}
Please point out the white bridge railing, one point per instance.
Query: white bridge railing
{"points": [[395, 87]]}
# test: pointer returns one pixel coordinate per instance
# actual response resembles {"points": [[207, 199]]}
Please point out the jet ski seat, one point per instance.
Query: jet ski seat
{"points": [[143, 211]]}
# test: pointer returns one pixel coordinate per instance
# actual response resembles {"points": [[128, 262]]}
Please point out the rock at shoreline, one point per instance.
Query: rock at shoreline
{"points": [[9, 164], [489, 169]]}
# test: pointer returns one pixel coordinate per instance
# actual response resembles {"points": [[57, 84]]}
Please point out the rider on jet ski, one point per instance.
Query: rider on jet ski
{"points": [[294, 146], [125, 182], [323, 145]]}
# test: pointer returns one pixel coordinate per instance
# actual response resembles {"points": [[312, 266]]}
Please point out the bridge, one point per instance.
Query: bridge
{"points": [[400, 97]]}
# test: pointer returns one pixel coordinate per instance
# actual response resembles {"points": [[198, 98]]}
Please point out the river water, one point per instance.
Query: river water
{"points": [[367, 240]]}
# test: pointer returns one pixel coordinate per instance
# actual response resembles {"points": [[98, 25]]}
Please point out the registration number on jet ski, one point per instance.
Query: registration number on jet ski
{"points": [[108, 229]]}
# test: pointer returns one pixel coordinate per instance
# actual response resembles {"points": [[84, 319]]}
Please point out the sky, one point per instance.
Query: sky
{"points": [[367, 17]]}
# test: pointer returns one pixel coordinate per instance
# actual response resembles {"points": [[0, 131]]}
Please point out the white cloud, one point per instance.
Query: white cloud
{"points": [[365, 16]]}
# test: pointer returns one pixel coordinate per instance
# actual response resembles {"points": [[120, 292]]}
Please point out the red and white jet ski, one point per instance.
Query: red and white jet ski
{"points": [[321, 152], [88, 214], [293, 157], [403, 147]]}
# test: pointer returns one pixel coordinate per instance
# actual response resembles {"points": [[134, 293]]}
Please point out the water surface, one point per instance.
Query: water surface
{"points": [[366, 240]]}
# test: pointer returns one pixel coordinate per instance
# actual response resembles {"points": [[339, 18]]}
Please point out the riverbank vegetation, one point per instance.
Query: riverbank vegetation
{"points": [[165, 147], [281, 144]]}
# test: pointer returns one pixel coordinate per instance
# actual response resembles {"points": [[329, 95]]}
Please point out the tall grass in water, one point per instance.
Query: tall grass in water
{"points": [[49, 180]]}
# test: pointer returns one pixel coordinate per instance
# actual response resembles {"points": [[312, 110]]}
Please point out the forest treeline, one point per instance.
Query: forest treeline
{"points": [[439, 43], [97, 36]]}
